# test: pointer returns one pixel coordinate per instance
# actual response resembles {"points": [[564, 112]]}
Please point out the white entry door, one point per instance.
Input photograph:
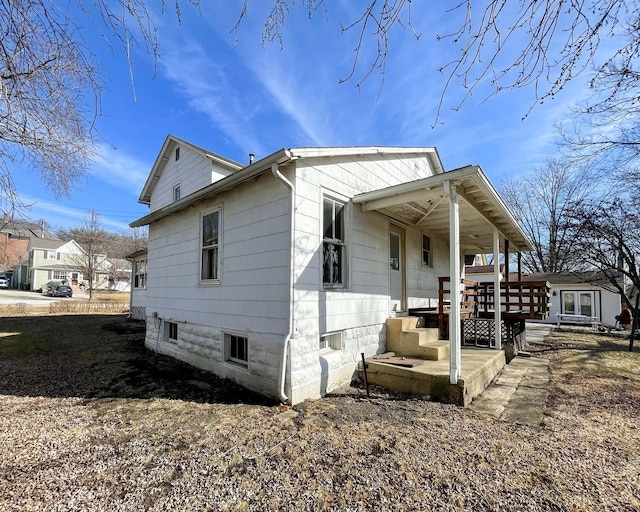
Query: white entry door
{"points": [[396, 268]]}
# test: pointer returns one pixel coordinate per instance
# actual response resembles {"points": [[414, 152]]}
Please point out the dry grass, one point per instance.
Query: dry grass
{"points": [[111, 296], [90, 420]]}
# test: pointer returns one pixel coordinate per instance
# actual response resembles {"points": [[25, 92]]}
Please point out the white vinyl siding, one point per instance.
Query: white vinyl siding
{"points": [[192, 171]]}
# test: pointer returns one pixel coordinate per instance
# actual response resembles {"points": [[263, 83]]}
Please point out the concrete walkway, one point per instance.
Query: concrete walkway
{"points": [[519, 393]]}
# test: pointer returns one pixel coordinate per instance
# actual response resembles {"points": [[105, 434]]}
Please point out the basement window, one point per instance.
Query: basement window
{"points": [[171, 331], [331, 341], [236, 349]]}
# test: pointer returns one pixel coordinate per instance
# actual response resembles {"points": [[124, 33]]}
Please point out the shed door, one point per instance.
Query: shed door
{"points": [[396, 268]]}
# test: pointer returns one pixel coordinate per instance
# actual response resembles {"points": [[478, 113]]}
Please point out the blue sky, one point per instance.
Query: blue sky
{"points": [[225, 91]]}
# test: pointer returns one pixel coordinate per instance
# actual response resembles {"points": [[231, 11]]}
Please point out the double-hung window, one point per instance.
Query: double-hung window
{"points": [[426, 251], [333, 243], [140, 273], [210, 258]]}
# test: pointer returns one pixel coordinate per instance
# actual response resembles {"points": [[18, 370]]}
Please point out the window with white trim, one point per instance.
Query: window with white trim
{"points": [[236, 349], [140, 273], [50, 255], [171, 331], [331, 341], [210, 241], [176, 192], [426, 251], [333, 243], [578, 303], [60, 275], [177, 153]]}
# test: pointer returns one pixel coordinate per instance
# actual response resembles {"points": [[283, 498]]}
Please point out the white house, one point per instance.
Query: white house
{"points": [[281, 273]]}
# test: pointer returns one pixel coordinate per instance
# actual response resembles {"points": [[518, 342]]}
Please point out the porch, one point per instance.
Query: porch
{"points": [[418, 357], [465, 333]]}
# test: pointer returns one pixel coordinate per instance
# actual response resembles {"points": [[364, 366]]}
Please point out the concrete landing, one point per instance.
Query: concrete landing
{"points": [[478, 368]]}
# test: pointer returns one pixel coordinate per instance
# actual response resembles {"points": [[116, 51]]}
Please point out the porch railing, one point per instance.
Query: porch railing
{"points": [[519, 299]]}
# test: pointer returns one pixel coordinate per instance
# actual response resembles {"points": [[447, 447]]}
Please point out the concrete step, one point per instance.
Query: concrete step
{"points": [[405, 339]]}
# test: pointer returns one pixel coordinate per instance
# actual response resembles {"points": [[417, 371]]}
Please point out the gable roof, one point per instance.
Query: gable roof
{"points": [[282, 157], [45, 243], [557, 278], [163, 157], [17, 228]]}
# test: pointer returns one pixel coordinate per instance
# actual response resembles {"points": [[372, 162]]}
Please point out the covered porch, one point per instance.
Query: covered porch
{"points": [[425, 353]]}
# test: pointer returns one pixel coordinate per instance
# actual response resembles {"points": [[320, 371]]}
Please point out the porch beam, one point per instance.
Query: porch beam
{"points": [[482, 211], [429, 211], [396, 200], [497, 291], [454, 282]]}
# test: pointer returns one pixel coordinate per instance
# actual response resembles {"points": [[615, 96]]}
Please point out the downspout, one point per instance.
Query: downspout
{"points": [[285, 348]]}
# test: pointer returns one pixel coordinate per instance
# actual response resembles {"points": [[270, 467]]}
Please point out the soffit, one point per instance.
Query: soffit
{"points": [[425, 205]]}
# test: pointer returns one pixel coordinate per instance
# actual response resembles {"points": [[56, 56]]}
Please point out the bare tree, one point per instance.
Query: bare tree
{"points": [[46, 68], [114, 245], [605, 128], [93, 261], [541, 201], [605, 235], [50, 88], [507, 45]]}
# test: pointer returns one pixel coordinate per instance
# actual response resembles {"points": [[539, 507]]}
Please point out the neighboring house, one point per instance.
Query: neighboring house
{"points": [[57, 260], [14, 243], [281, 274], [571, 294], [119, 274], [138, 300]]}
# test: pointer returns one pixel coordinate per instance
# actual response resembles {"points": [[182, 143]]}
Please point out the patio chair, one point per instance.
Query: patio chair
{"points": [[624, 319]]}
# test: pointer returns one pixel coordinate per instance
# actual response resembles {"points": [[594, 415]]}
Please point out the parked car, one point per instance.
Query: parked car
{"points": [[4, 282], [60, 290]]}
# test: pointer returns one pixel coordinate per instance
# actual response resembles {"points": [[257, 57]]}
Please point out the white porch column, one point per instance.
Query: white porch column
{"points": [[454, 282], [497, 291]]}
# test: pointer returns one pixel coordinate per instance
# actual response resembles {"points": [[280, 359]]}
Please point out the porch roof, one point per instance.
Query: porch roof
{"points": [[425, 203]]}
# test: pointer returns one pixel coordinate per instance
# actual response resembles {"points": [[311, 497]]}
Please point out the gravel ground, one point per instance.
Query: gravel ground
{"points": [[90, 420]]}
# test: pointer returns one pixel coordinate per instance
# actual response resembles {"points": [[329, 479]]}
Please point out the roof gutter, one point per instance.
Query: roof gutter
{"points": [[285, 346]]}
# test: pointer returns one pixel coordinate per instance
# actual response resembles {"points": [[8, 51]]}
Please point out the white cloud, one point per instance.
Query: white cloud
{"points": [[202, 80], [119, 169]]}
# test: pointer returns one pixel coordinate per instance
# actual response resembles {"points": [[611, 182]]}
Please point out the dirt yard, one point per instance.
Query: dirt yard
{"points": [[90, 420]]}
